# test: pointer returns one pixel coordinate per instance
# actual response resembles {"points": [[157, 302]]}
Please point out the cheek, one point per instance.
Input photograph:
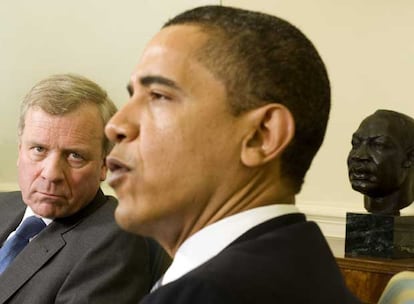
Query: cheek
{"points": [[83, 183], [127, 206], [390, 173], [27, 172], [158, 148], [83, 179], [387, 165], [134, 210]]}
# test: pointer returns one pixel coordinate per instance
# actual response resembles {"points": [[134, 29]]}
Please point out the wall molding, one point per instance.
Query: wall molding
{"points": [[330, 218]]}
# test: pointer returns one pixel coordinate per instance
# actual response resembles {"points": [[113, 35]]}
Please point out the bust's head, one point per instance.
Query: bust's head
{"points": [[381, 161]]}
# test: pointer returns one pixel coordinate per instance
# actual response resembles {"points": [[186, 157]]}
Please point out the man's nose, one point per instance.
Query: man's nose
{"points": [[53, 168], [360, 153], [122, 126]]}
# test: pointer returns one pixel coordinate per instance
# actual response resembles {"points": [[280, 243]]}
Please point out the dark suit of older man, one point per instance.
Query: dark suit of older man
{"points": [[84, 258]]}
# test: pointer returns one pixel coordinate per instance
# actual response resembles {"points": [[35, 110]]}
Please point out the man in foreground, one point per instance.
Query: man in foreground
{"points": [[227, 110], [79, 254]]}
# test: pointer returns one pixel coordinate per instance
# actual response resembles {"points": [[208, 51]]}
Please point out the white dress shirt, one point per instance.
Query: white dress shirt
{"points": [[209, 241]]}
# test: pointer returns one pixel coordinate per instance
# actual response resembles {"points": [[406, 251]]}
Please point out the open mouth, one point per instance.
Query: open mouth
{"points": [[118, 170], [360, 176]]}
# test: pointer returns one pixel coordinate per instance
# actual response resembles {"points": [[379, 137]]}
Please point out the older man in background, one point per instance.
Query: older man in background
{"points": [[60, 243]]}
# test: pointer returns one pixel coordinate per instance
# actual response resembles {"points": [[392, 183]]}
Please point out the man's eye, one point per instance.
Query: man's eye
{"points": [[379, 145], [38, 149], [37, 152], [75, 156], [158, 96]]}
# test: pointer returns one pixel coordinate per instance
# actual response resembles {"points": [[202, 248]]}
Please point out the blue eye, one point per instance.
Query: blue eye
{"points": [[38, 149], [76, 160], [76, 156], [37, 152]]}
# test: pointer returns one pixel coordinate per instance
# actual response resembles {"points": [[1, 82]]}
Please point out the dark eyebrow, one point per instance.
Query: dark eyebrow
{"points": [[382, 137], [148, 80], [371, 137]]}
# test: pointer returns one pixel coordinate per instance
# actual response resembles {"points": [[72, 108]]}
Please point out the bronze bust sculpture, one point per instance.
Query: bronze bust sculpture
{"points": [[381, 162]]}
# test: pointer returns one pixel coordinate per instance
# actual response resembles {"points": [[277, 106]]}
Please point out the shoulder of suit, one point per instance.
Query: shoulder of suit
{"points": [[11, 197]]}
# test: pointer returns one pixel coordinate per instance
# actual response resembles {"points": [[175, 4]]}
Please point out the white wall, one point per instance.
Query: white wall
{"points": [[368, 47]]}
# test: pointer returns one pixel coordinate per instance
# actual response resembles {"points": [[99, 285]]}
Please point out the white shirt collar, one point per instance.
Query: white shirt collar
{"points": [[29, 212], [213, 238]]}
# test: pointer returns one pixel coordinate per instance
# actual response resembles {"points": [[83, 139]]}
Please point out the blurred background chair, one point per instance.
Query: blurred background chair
{"points": [[399, 290]]}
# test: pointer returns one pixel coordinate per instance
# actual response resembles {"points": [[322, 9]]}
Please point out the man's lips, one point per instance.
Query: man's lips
{"points": [[361, 175], [118, 169], [361, 171], [51, 195]]}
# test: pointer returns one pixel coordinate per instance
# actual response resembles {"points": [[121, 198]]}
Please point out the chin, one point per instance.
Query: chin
{"points": [[370, 192], [124, 219], [363, 186], [45, 212]]}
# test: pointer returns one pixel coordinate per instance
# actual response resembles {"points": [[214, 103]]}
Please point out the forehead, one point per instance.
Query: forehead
{"points": [[379, 125], [83, 125], [172, 52]]}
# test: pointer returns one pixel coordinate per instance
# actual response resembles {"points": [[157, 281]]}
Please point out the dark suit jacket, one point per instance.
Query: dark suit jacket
{"points": [[84, 258], [284, 260]]}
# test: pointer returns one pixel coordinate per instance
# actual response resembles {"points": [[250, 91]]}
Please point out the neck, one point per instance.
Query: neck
{"points": [[257, 192]]}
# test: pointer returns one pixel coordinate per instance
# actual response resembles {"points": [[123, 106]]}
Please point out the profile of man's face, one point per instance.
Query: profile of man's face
{"points": [[375, 162]]}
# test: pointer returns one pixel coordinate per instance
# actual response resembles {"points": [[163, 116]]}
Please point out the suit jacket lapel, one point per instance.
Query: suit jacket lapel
{"points": [[12, 210], [39, 251], [30, 260]]}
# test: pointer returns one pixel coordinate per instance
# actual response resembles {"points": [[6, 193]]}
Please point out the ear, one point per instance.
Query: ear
{"points": [[410, 159], [272, 129]]}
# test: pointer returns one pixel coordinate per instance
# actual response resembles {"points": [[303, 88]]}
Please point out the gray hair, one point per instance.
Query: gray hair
{"points": [[64, 93]]}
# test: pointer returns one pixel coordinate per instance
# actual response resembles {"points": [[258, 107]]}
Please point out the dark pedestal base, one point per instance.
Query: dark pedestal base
{"points": [[384, 236]]}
